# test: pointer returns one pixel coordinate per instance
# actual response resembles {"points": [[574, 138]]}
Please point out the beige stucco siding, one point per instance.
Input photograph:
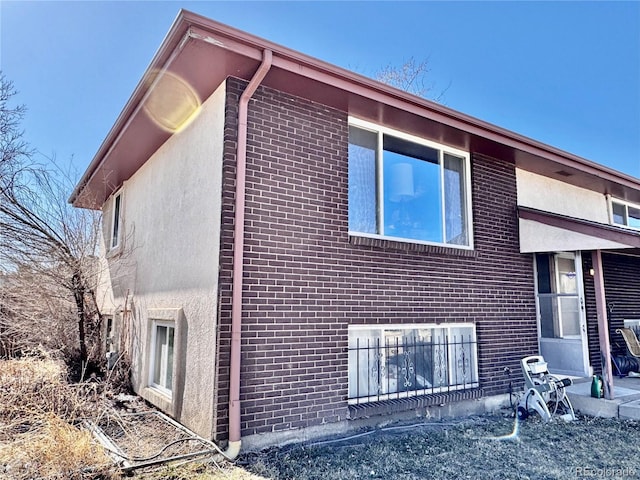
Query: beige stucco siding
{"points": [[537, 237], [168, 261], [549, 195], [544, 193]]}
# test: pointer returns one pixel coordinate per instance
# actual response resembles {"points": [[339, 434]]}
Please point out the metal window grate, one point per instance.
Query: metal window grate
{"points": [[411, 366]]}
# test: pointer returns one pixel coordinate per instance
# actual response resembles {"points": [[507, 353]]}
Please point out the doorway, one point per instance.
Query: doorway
{"points": [[562, 323]]}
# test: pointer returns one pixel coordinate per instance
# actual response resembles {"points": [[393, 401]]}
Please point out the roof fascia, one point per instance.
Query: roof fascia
{"points": [[586, 227], [190, 25], [313, 68], [359, 85]]}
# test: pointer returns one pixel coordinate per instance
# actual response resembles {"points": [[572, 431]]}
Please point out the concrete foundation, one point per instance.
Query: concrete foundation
{"points": [[346, 427]]}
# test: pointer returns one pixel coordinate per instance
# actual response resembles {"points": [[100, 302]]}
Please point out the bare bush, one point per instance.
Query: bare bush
{"points": [[36, 314], [39, 415]]}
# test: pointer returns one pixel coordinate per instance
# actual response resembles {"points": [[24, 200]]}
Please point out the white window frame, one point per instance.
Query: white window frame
{"points": [[442, 150], [626, 206], [451, 360], [115, 234], [152, 355], [110, 334]]}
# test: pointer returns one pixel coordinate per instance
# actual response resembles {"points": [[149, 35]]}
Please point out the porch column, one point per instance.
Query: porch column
{"points": [[603, 324]]}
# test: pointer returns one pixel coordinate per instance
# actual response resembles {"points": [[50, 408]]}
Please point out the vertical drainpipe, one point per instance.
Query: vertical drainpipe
{"points": [[238, 258]]}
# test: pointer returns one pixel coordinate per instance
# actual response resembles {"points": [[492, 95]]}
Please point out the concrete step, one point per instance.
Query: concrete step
{"points": [[595, 407], [630, 410], [582, 401]]}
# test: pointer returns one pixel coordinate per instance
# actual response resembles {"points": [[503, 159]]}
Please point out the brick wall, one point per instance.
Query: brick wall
{"points": [[591, 313], [305, 281], [622, 290]]}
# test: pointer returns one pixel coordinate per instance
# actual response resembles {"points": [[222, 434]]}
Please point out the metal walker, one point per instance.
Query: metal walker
{"points": [[544, 393]]}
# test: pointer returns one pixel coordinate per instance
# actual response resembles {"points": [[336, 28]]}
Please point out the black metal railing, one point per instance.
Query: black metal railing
{"points": [[410, 366]]}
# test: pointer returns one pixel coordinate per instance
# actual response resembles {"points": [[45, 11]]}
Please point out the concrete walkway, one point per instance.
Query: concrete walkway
{"points": [[626, 402]]}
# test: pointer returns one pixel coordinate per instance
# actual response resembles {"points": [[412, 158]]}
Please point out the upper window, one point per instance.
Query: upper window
{"points": [[116, 221], [162, 356], [625, 214], [407, 188]]}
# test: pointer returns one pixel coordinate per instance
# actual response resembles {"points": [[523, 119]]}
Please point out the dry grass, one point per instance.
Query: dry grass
{"points": [[38, 412], [473, 448], [40, 439], [38, 385], [54, 449], [201, 471], [588, 447]]}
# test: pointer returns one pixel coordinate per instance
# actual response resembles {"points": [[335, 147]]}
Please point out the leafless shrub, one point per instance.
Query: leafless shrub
{"points": [[39, 412], [36, 314]]}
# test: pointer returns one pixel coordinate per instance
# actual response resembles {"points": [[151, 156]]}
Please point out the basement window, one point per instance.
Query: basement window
{"points": [[402, 361], [161, 374]]}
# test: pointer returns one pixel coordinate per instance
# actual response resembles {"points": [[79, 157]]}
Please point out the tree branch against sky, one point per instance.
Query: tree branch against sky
{"points": [[563, 73], [42, 237], [14, 150], [413, 76]]}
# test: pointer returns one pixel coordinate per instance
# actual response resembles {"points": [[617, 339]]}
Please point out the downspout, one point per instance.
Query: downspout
{"points": [[233, 448]]}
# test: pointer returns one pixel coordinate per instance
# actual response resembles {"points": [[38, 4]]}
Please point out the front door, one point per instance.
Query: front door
{"points": [[561, 316]]}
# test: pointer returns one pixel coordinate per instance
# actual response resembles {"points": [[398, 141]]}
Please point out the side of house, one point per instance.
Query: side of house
{"points": [[396, 255], [161, 243]]}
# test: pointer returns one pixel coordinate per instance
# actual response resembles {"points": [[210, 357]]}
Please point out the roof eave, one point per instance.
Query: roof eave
{"points": [[528, 153]]}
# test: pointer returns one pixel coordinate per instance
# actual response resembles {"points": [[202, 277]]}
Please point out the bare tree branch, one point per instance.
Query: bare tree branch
{"points": [[413, 77], [48, 249]]}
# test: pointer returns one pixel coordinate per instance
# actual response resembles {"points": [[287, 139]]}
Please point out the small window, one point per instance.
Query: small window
{"points": [[116, 220], [625, 214], [389, 362], [111, 341], [162, 356], [407, 188], [110, 336]]}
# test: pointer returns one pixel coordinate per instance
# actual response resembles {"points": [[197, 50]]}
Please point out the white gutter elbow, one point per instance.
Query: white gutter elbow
{"points": [[233, 450]]}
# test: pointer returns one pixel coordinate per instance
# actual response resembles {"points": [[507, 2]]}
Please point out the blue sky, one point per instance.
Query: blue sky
{"points": [[564, 73]]}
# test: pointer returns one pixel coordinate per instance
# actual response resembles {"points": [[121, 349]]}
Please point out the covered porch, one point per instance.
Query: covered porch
{"points": [[587, 287]]}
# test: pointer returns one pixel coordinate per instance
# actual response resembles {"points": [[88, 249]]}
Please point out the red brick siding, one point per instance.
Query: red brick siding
{"points": [[305, 282], [591, 313], [622, 290]]}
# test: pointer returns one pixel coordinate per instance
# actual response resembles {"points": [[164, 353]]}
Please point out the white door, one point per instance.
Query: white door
{"points": [[561, 316]]}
